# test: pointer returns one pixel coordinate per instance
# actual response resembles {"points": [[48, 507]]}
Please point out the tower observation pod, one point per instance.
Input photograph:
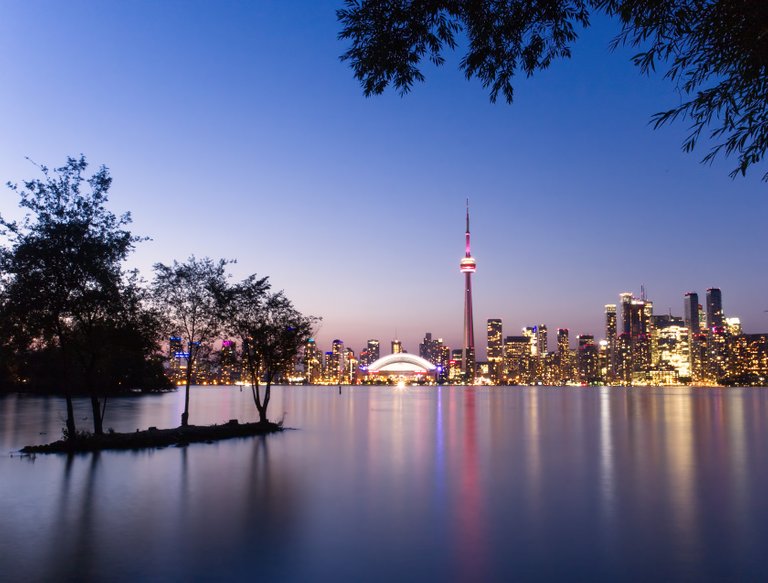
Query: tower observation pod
{"points": [[468, 266]]}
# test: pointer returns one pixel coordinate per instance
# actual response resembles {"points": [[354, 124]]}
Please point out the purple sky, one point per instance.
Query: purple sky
{"points": [[232, 130]]}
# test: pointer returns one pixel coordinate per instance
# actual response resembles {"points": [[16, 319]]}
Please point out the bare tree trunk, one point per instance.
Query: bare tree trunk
{"points": [[185, 414], [71, 430], [267, 396], [261, 407], [98, 428]]}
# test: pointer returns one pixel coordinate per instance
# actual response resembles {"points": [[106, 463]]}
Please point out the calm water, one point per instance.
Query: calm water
{"points": [[378, 484]]}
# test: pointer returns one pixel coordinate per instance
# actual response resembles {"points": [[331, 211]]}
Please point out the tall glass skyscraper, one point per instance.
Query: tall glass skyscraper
{"points": [[691, 312], [714, 309]]}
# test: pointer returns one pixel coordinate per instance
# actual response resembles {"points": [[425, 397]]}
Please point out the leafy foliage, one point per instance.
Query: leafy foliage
{"points": [[390, 38], [716, 52], [67, 304], [189, 295], [271, 333]]}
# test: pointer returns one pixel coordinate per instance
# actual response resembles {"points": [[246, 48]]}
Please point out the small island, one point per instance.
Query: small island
{"points": [[155, 438]]}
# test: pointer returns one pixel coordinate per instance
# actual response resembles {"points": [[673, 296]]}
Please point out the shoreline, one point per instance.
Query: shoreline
{"points": [[156, 438]]}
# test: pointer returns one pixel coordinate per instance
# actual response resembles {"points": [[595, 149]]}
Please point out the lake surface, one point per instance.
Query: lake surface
{"points": [[380, 484]]}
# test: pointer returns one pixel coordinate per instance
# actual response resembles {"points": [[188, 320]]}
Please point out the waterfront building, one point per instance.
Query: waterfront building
{"points": [[533, 345], [624, 359], [717, 354], [637, 324], [541, 340], [610, 336], [714, 309], [229, 371], [336, 366], [672, 349], [517, 360], [550, 371], [368, 354], [365, 359], [691, 309], [603, 362], [177, 360], [749, 360], [349, 368], [330, 368], [564, 361], [699, 369], [373, 349], [586, 359], [429, 349], [733, 326], [468, 266], [455, 371], [313, 362], [444, 362], [495, 350]]}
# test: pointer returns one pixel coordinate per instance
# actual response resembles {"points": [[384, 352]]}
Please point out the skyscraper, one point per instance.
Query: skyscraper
{"points": [[228, 363], [373, 349], [313, 360], [467, 266], [637, 324], [541, 341], [714, 309], [610, 336], [586, 359], [563, 355], [397, 346], [517, 360], [495, 348], [691, 312], [495, 341]]}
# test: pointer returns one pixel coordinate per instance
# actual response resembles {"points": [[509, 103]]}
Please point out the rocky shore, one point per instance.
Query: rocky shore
{"points": [[153, 437]]}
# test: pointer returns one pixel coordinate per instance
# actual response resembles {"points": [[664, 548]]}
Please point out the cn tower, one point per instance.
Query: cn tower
{"points": [[468, 267]]}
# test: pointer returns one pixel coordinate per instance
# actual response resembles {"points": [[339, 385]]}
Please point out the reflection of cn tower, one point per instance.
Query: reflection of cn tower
{"points": [[467, 267]]}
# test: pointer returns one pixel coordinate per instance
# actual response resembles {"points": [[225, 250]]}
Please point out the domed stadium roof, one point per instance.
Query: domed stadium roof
{"points": [[401, 362]]}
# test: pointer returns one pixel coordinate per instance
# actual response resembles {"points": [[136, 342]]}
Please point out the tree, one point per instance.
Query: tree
{"points": [[66, 298], [271, 333], [716, 51], [189, 294]]}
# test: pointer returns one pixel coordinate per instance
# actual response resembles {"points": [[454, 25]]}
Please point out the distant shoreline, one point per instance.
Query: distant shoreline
{"points": [[155, 438]]}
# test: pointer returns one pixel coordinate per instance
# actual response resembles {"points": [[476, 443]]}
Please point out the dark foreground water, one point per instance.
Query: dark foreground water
{"points": [[451, 484]]}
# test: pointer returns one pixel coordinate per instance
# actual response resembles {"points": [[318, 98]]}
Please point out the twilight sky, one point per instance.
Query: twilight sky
{"points": [[232, 130]]}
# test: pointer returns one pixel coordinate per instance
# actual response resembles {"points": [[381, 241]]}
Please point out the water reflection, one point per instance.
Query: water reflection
{"points": [[447, 484]]}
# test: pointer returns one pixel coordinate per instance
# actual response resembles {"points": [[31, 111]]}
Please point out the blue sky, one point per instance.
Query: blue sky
{"points": [[232, 130]]}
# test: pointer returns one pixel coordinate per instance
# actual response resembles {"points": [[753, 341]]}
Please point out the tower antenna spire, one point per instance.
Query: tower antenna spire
{"points": [[467, 253], [467, 214], [467, 266]]}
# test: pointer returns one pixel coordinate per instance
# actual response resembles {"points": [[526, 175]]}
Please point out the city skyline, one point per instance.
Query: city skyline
{"points": [[549, 343], [242, 136]]}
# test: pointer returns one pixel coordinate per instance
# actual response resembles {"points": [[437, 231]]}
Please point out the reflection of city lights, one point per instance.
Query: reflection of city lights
{"points": [[401, 385]]}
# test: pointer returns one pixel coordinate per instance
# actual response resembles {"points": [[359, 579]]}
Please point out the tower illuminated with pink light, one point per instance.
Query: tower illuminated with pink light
{"points": [[468, 266]]}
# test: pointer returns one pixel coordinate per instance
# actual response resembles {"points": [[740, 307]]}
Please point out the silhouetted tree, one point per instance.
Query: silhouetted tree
{"points": [[716, 51], [271, 333], [66, 300], [189, 295]]}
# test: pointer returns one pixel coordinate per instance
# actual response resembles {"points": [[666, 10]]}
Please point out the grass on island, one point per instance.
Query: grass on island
{"points": [[153, 437]]}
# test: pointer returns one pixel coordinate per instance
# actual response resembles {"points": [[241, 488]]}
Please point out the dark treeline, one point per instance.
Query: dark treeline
{"points": [[74, 321]]}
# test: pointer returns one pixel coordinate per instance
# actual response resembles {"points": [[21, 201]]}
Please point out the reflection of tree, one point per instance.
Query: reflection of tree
{"points": [[73, 541], [271, 506]]}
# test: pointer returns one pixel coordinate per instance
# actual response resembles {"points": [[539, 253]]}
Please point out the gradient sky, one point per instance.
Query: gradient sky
{"points": [[232, 130]]}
